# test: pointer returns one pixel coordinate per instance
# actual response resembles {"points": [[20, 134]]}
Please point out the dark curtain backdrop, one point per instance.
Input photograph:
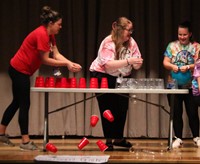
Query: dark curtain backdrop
{"points": [[85, 24]]}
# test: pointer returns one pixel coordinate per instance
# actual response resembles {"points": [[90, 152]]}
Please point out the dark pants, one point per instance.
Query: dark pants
{"points": [[21, 100], [197, 100], [117, 104], [191, 110]]}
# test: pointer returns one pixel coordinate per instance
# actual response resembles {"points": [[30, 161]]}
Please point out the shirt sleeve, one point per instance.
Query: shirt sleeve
{"points": [[106, 53], [196, 72], [167, 52], [43, 42]]}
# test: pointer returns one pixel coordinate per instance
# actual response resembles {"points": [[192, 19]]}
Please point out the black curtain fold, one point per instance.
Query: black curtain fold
{"points": [[87, 22]]}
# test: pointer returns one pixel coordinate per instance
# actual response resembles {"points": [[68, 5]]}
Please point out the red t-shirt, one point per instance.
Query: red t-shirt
{"points": [[27, 59]]}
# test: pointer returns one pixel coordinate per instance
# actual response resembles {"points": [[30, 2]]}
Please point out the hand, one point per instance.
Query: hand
{"points": [[175, 68], [183, 68], [74, 67], [134, 60]]}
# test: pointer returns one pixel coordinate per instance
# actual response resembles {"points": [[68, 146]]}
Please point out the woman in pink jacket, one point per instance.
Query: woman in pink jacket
{"points": [[117, 56]]}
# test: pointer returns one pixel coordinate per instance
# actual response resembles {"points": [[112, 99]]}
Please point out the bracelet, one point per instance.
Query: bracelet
{"points": [[127, 62], [188, 67]]}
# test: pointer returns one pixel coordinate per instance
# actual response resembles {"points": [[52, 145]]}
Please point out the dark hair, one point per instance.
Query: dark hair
{"points": [[49, 15], [186, 24]]}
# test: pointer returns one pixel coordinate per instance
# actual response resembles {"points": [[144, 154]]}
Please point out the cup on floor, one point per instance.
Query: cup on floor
{"points": [[102, 146], [51, 147], [83, 143]]}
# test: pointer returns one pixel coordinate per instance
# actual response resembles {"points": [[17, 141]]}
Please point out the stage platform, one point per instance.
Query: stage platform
{"points": [[144, 150]]}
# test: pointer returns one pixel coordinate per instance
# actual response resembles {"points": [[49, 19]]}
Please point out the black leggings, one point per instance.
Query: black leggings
{"points": [[197, 100], [192, 113], [118, 105], [21, 100]]}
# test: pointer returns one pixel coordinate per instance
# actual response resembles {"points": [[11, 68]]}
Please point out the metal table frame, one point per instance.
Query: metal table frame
{"points": [[46, 92]]}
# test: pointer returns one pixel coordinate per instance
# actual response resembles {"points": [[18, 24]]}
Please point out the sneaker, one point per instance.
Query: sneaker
{"points": [[197, 141], [28, 146], [5, 140], [123, 143], [110, 147], [177, 143]]}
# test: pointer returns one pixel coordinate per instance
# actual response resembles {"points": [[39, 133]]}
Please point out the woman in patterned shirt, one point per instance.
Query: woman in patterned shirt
{"points": [[117, 56], [179, 59]]}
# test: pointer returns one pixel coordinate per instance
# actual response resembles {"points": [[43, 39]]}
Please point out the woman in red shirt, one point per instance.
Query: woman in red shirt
{"points": [[34, 51]]}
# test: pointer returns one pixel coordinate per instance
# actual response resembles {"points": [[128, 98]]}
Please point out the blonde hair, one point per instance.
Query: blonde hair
{"points": [[117, 28]]}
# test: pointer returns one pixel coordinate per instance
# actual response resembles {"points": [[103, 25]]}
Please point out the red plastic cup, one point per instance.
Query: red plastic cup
{"points": [[51, 147], [39, 81], [68, 83], [83, 143], [93, 82], [63, 82], [102, 146], [47, 82], [108, 115], [73, 82], [50, 82], [93, 120], [58, 82], [82, 82], [104, 82]]}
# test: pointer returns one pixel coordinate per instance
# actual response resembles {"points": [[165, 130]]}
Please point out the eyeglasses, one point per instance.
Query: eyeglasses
{"points": [[129, 30]]}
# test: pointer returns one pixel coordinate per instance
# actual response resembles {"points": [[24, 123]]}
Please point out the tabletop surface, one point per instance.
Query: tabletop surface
{"points": [[106, 90]]}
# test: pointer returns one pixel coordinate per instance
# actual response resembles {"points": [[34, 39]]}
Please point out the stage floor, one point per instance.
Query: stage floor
{"points": [[143, 151]]}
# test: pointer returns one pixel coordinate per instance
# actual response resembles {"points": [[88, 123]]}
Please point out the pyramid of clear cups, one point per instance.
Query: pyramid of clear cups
{"points": [[141, 83]]}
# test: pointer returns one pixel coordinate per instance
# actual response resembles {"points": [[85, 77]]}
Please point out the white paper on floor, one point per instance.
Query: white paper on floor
{"points": [[73, 158]]}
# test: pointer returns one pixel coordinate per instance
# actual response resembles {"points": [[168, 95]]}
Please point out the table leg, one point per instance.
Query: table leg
{"points": [[46, 120], [170, 138]]}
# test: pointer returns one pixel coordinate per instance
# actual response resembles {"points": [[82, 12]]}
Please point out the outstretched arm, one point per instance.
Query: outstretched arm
{"points": [[59, 60]]}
